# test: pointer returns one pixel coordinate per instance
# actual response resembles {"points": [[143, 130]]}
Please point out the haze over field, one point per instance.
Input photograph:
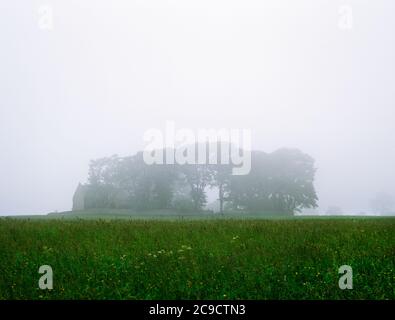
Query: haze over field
{"points": [[92, 82]]}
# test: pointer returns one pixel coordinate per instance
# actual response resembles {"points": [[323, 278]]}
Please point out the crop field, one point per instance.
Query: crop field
{"points": [[199, 259]]}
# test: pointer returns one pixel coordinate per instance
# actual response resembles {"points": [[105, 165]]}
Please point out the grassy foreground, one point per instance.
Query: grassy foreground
{"points": [[235, 259]]}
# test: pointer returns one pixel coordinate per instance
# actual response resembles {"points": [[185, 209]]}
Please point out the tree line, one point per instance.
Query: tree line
{"points": [[281, 182]]}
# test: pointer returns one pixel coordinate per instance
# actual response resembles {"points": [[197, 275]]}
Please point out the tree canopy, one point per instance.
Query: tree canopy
{"points": [[281, 182]]}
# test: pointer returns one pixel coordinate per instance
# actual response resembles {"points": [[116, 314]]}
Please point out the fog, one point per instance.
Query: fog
{"points": [[90, 81]]}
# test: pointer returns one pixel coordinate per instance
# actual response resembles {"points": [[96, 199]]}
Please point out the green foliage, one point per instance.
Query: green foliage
{"points": [[279, 182], [219, 259], [129, 183], [198, 177]]}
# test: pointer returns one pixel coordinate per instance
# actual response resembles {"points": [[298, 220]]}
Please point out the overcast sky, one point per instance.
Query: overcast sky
{"points": [[305, 74]]}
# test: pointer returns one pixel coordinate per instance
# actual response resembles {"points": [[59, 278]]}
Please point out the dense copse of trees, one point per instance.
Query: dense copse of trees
{"points": [[280, 183]]}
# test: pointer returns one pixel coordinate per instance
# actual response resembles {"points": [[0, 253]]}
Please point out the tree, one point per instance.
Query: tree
{"points": [[292, 180], [221, 174], [130, 183], [221, 178], [103, 171], [279, 183], [198, 177]]}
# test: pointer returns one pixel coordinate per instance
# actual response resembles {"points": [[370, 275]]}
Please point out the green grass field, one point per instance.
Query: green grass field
{"points": [[197, 259]]}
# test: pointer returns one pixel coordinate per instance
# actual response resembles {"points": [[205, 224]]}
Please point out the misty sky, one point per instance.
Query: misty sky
{"points": [[107, 71]]}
